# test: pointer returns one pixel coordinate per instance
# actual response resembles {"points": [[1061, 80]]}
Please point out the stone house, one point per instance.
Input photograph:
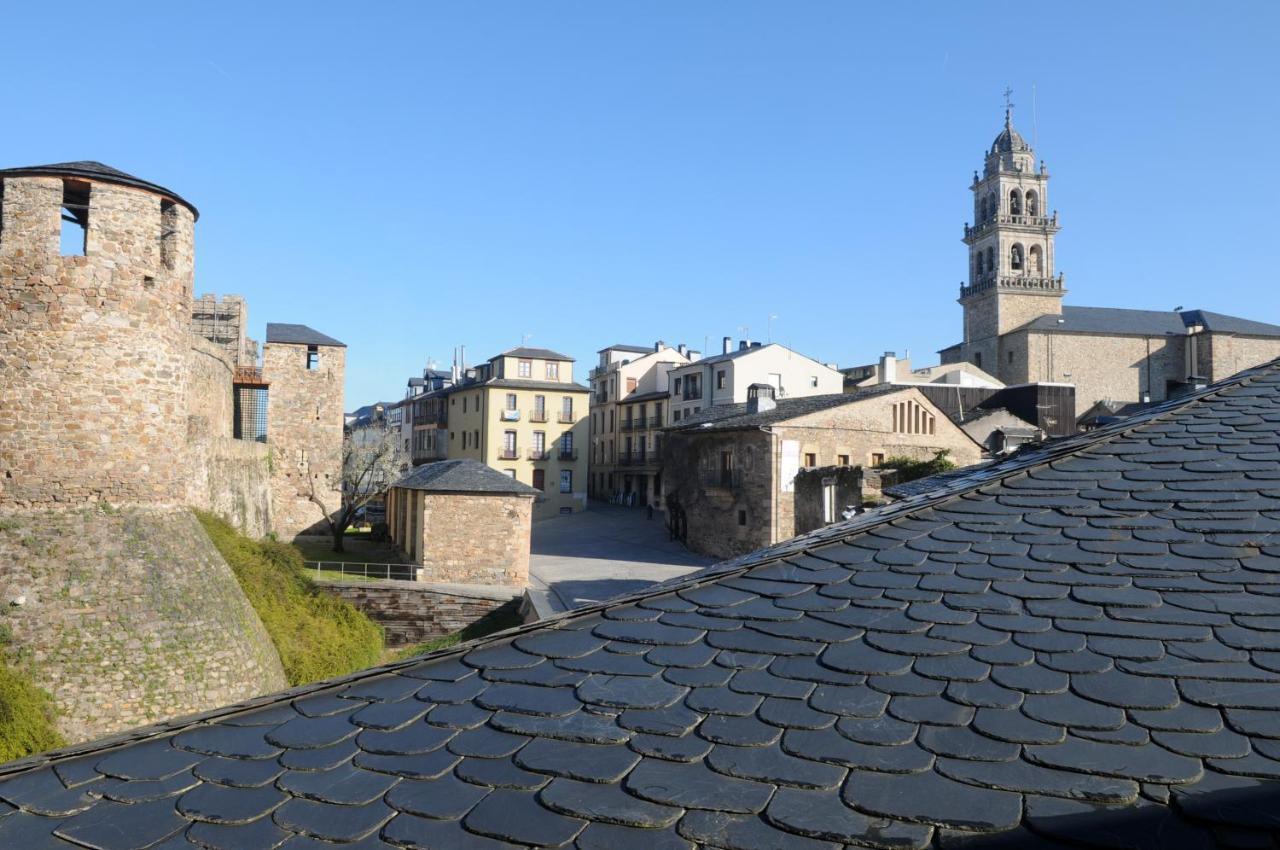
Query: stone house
{"points": [[630, 406], [1017, 328], [730, 472], [464, 522]]}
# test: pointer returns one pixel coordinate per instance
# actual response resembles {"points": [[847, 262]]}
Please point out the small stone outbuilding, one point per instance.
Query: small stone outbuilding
{"points": [[464, 522]]}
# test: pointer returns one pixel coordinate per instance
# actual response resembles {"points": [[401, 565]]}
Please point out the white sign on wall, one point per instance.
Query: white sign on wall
{"points": [[790, 465]]}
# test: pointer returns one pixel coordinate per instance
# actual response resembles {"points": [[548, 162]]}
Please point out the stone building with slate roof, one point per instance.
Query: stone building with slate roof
{"points": [[1076, 647], [464, 522], [1017, 328]]}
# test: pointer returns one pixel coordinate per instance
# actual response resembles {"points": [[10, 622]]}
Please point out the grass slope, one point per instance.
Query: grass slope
{"points": [[318, 636], [496, 620]]}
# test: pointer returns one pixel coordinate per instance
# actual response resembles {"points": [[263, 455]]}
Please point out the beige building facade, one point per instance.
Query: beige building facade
{"points": [[1017, 328], [725, 378], [630, 405], [522, 414], [730, 478]]}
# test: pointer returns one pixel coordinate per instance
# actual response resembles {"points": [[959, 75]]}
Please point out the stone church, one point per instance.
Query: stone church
{"points": [[1017, 328]]}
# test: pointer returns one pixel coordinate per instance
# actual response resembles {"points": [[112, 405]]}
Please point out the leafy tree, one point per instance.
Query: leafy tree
{"points": [[910, 469], [371, 461]]}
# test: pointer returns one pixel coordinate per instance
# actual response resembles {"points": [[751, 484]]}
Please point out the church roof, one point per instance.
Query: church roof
{"points": [[92, 170], [1009, 140], [1115, 321], [1074, 647]]}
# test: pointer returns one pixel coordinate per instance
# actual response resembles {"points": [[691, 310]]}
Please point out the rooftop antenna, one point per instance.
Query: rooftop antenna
{"points": [[745, 331], [772, 316], [1035, 138], [524, 339]]}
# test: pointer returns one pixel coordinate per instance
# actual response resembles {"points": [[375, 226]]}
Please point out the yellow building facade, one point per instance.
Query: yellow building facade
{"points": [[522, 414]]}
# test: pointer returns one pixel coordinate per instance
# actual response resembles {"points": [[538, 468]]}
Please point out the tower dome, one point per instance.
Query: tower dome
{"points": [[1009, 140]]}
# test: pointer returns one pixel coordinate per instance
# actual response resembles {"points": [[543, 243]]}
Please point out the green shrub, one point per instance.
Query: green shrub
{"points": [[910, 470], [26, 717], [317, 635]]}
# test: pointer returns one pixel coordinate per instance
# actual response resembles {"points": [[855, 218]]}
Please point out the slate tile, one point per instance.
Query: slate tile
{"points": [[877, 730], [964, 743], [822, 814], [929, 797], [907, 684], [656, 634], [122, 826], [936, 710], [324, 758], [332, 823], [347, 785], [1141, 827], [1255, 764], [1030, 679], [911, 644], [31, 832], [1184, 717], [1130, 733], [953, 668], [147, 790], [499, 773], [825, 745], [240, 773], [685, 748], [984, 695], [672, 720], [446, 797], [1014, 726], [1223, 743], [711, 676], [1235, 800], [260, 835], [722, 701], [612, 663], [739, 731], [1260, 724], [147, 760], [588, 728], [419, 766], [811, 670], [859, 657], [588, 762], [1151, 763], [518, 817], [559, 643], [529, 699], [607, 836], [415, 738], [460, 691], [695, 786], [1084, 661], [696, 655], [770, 764], [1125, 690], [1006, 652], [387, 688], [627, 692], [750, 640], [743, 832], [388, 716], [222, 804], [546, 674], [321, 705], [605, 802], [1070, 710], [793, 714], [244, 742], [308, 733], [500, 655]]}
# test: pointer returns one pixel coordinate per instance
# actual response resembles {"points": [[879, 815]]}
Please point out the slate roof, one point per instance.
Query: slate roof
{"points": [[1113, 320], [539, 353], [299, 335], [635, 349], [737, 417], [1079, 646], [519, 384], [91, 170], [462, 476]]}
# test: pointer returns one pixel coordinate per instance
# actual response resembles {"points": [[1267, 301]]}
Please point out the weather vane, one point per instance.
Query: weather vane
{"points": [[1008, 99]]}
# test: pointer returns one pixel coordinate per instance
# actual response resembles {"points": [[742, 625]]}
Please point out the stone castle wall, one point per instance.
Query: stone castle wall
{"points": [[1119, 368], [128, 616], [411, 613], [304, 430], [94, 349]]}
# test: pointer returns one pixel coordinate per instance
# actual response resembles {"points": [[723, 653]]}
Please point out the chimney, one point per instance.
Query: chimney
{"points": [[757, 344], [694, 355], [682, 349], [760, 398], [743, 344], [728, 345], [659, 345], [888, 368]]}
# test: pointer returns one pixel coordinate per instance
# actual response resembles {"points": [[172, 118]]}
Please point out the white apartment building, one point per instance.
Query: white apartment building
{"points": [[724, 378]]}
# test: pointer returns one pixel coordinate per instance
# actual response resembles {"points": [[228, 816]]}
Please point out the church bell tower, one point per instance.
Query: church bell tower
{"points": [[1011, 261]]}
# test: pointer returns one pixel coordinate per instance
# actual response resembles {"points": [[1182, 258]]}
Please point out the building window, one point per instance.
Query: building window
{"points": [[631, 385], [508, 445], [465, 436], [566, 481], [675, 416], [553, 370], [677, 387], [539, 443], [75, 218], [566, 445], [1010, 356], [1015, 257], [1036, 258], [313, 357], [511, 401], [810, 459], [540, 479], [726, 469], [657, 415], [877, 458], [1033, 203], [720, 379], [813, 380], [511, 473], [464, 404], [842, 460], [977, 359], [911, 417], [1015, 202], [566, 408], [539, 408], [524, 368], [828, 503], [742, 517]]}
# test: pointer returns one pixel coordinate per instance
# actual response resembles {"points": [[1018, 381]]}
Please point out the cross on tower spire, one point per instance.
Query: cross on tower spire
{"points": [[1008, 104]]}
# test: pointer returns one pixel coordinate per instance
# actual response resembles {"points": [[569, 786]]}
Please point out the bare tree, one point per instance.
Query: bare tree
{"points": [[371, 462]]}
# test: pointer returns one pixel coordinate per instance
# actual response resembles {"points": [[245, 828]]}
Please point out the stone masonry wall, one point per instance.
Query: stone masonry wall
{"points": [[229, 477], [411, 613], [128, 616], [1227, 354], [1119, 368], [304, 431], [93, 349], [476, 538]]}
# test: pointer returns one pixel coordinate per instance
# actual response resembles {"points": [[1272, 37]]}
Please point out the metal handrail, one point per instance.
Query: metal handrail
{"points": [[367, 570]]}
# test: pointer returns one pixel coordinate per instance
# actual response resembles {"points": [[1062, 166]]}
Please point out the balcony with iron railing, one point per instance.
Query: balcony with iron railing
{"points": [[538, 454], [426, 454], [565, 417], [509, 454], [509, 415], [538, 415], [567, 454], [249, 376]]}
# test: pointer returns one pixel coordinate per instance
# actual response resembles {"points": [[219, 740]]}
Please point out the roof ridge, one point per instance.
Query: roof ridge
{"points": [[717, 572]]}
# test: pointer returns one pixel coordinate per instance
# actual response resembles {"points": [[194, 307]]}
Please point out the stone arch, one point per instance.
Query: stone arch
{"points": [[993, 207], [977, 264], [982, 210], [991, 259], [1035, 259], [1015, 202], [1015, 257], [1032, 202]]}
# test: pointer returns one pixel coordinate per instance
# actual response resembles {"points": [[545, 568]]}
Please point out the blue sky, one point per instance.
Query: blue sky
{"points": [[410, 177]]}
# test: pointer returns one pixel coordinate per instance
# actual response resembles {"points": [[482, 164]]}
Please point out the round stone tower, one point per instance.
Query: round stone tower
{"points": [[115, 599], [95, 289]]}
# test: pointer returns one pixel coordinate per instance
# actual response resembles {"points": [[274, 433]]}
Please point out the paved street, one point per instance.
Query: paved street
{"points": [[602, 552]]}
